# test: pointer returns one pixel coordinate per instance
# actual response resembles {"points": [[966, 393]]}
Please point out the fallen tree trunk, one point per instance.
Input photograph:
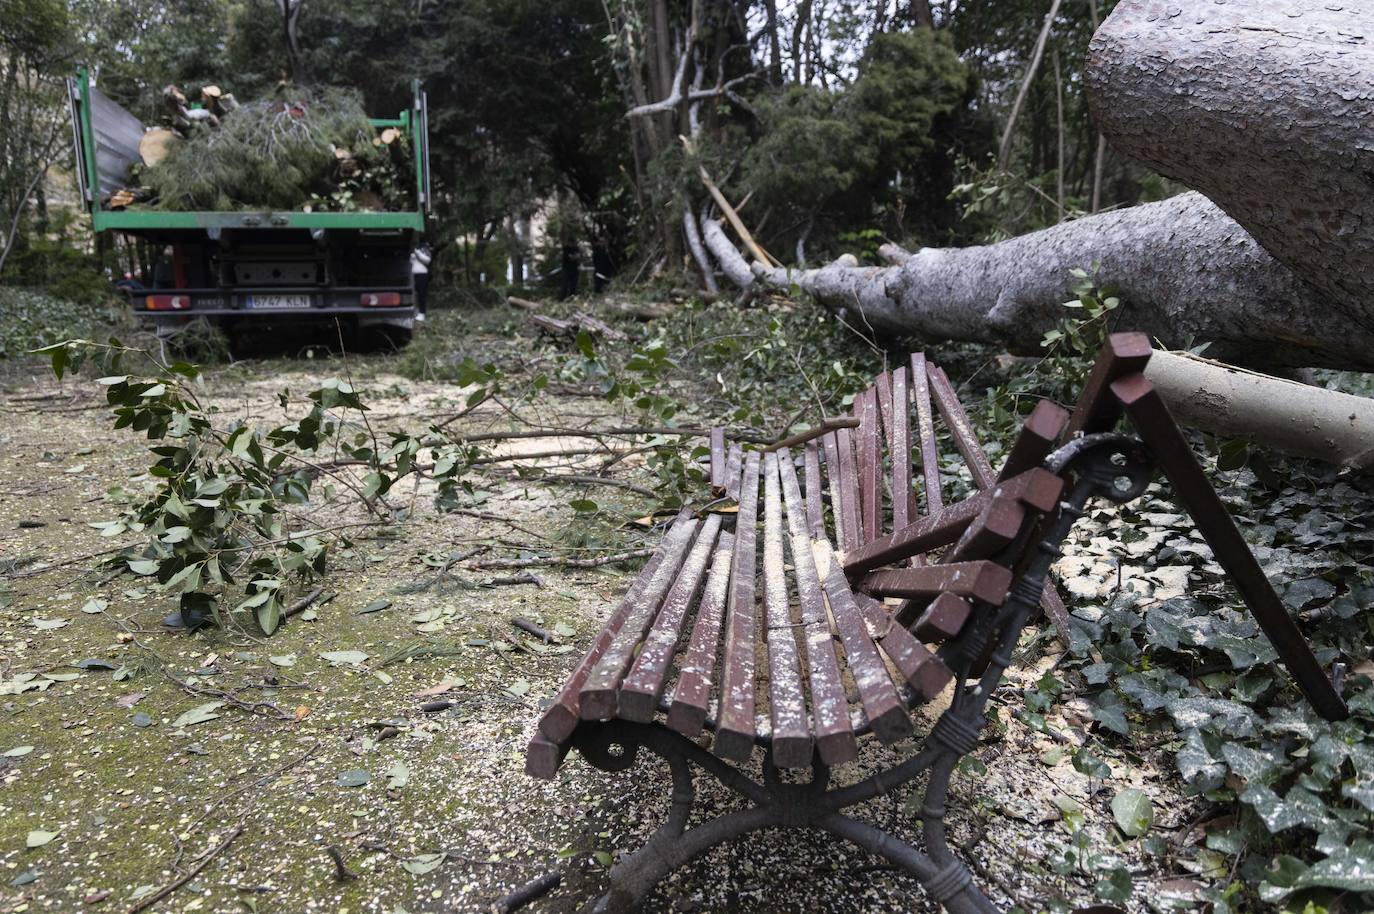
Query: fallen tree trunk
{"points": [[1284, 415], [1223, 98], [1185, 271]]}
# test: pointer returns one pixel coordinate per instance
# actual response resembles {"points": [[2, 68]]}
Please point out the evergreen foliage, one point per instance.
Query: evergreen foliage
{"points": [[277, 154]]}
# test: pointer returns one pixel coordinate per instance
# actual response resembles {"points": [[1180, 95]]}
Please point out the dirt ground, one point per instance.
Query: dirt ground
{"points": [[319, 785]]}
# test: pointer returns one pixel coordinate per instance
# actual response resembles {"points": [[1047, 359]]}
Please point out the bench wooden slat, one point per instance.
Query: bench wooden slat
{"points": [[943, 618], [870, 466], [1097, 410], [829, 707], [899, 450], [597, 696], [883, 388], [982, 580], [831, 443], [543, 756], [925, 429], [921, 535], [692, 695], [718, 460], [561, 718], [735, 718], [849, 482], [639, 691], [791, 735], [732, 470], [926, 673], [882, 705], [1036, 439], [960, 428], [981, 470], [815, 505]]}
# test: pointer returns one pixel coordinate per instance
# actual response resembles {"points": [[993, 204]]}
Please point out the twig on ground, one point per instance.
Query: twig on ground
{"points": [[525, 625], [507, 580], [303, 603], [531, 891], [190, 874], [341, 872], [572, 479], [561, 562]]}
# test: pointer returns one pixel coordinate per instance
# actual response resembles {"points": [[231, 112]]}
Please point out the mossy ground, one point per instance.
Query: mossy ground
{"points": [[136, 807]]}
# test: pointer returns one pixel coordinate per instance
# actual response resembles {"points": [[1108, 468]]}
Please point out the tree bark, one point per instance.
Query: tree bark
{"points": [[1265, 107]]}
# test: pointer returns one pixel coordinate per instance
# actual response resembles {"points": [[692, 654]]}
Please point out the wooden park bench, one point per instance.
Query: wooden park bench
{"points": [[844, 592]]}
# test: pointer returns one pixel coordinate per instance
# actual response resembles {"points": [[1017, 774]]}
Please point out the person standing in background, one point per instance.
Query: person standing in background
{"points": [[419, 269]]}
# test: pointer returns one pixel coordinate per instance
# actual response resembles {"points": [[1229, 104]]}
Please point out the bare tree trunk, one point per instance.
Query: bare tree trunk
{"points": [[921, 15], [774, 42], [1004, 148], [689, 228], [1059, 124], [290, 14]]}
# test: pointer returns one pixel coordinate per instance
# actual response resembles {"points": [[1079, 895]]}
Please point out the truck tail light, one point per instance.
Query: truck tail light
{"points": [[168, 302], [381, 299]]}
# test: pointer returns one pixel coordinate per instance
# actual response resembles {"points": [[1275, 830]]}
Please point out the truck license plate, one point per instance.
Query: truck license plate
{"points": [[261, 302]]}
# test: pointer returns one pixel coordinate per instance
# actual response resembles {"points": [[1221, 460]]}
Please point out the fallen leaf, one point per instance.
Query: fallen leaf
{"points": [[283, 660], [423, 863], [39, 838], [128, 701], [47, 625], [374, 606], [199, 714], [433, 690], [357, 777], [24, 878], [97, 897], [17, 751], [344, 658], [302, 712], [397, 776], [142, 720], [94, 606]]}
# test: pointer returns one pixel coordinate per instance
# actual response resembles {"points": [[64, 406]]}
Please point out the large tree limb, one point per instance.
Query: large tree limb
{"points": [[1266, 107], [1187, 271]]}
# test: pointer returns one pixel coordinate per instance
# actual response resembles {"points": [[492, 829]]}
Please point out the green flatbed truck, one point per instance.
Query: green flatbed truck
{"points": [[251, 272]]}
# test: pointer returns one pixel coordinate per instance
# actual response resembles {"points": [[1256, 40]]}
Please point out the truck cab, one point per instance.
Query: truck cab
{"points": [[252, 273]]}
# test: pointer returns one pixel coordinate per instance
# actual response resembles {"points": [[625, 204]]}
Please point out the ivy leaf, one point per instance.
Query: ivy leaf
{"points": [[1084, 762], [1348, 869], [1133, 811]]}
